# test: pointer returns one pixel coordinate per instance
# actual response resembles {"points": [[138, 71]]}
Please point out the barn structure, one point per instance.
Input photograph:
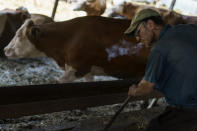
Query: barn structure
{"points": [[32, 99]]}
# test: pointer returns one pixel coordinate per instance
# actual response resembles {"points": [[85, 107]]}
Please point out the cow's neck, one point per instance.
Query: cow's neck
{"points": [[52, 44]]}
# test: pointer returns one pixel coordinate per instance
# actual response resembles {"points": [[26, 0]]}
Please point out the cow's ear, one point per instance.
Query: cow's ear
{"points": [[30, 23], [24, 15], [35, 33]]}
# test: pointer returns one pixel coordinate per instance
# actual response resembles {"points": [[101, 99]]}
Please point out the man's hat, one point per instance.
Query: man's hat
{"points": [[139, 17]]}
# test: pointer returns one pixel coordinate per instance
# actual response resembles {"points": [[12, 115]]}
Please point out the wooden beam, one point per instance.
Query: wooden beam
{"points": [[42, 107], [31, 93], [20, 101]]}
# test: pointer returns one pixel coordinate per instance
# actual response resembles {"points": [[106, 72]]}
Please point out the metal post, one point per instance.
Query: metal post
{"points": [[54, 8], [172, 5]]}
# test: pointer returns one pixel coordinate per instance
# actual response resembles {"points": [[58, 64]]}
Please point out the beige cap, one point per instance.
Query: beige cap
{"points": [[139, 17]]}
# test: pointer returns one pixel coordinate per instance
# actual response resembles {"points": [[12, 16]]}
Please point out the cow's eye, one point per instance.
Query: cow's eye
{"points": [[19, 34]]}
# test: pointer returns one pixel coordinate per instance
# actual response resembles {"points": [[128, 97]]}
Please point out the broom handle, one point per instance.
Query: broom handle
{"points": [[117, 113]]}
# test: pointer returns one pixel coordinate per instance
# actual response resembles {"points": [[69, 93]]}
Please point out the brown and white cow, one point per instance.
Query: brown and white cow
{"points": [[92, 7], [82, 46], [11, 20], [128, 10]]}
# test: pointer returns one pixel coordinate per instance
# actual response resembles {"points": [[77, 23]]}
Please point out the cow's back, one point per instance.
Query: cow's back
{"points": [[189, 19], [41, 19], [92, 8]]}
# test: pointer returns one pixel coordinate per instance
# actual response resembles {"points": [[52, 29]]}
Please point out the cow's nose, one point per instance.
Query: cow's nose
{"points": [[8, 51], [5, 49]]}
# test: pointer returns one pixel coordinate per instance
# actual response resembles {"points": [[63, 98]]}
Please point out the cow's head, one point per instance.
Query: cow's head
{"points": [[16, 17], [22, 13], [20, 46]]}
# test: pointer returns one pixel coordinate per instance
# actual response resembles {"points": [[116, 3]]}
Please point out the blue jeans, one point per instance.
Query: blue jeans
{"points": [[174, 119]]}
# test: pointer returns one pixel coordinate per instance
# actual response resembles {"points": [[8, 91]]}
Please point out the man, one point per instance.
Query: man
{"points": [[171, 69]]}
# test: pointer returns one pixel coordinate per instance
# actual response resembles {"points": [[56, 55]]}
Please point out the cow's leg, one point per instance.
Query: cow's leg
{"points": [[69, 75], [95, 71]]}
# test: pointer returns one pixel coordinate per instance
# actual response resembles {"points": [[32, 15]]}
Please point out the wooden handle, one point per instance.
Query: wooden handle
{"points": [[117, 113]]}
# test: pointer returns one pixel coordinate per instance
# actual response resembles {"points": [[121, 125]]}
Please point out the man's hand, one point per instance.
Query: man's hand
{"points": [[132, 90], [143, 88]]}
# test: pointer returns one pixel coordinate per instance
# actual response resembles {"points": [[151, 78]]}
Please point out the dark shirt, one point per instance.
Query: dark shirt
{"points": [[172, 65]]}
